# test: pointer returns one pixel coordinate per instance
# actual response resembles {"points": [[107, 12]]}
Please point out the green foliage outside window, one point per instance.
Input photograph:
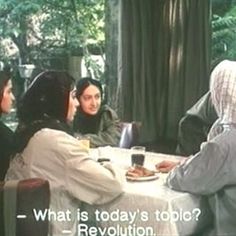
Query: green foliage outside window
{"points": [[41, 29], [223, 38], [223, 31]]}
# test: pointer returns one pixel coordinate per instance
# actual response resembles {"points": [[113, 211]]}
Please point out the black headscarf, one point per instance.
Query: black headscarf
{"points": [[84, 82], [44, 105], [85, 123]]}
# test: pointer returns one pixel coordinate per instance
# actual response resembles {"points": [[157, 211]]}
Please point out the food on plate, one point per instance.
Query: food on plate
{"points": [[139, 171]]}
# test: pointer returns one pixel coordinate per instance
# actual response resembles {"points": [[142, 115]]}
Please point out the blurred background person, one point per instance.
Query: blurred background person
{"points": [[94, 120], [6, 134]]}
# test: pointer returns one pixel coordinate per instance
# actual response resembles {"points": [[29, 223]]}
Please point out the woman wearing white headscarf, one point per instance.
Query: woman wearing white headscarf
{"points": [[212, 171], [223, 96]]}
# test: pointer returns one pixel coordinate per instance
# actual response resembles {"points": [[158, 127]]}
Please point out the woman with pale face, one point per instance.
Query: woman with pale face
{"points": [[94, 120], [6, 135]]}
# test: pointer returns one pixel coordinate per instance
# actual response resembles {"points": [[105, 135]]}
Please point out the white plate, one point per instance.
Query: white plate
{"points": [[144, 178]]}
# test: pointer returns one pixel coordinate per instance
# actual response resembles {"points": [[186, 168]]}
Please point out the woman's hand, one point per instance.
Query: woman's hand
{"points": [[166, 166]]}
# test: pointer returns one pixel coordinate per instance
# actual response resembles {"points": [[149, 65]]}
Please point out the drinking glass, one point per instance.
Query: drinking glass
{"points": [[138, 155]]}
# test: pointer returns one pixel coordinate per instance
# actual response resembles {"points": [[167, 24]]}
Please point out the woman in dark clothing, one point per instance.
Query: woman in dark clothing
{"points": [[6, 135], [95, 121], [195, 125]]}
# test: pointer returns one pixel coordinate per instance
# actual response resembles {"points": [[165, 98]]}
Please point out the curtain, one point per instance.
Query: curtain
{"points": [[163, 62]]}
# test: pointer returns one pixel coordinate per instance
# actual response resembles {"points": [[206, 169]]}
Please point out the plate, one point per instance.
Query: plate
{"points": [[143, 178]]}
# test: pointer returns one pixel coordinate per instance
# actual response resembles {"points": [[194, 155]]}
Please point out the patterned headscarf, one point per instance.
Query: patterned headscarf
{"points": [[223, 94]]}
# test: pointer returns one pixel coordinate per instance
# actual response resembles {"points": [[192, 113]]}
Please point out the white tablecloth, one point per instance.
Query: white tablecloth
{"points": [[156, 209]]}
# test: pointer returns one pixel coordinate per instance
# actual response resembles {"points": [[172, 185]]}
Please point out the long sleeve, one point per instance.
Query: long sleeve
{"points": [[92, 182], [204, 173], [87, 179]]}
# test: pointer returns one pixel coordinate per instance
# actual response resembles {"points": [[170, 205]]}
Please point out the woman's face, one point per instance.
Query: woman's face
{"points": [[73, 104], [7, 98], [90, 100]]}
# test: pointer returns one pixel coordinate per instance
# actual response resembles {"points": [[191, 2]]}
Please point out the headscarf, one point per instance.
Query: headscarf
{"points": [[85, 123], [223, 94], [44, 105], [5, 76], [83, 83]]}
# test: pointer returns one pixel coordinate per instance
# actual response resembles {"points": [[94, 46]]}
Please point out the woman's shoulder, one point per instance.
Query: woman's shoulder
{"points": [[57, 140], [108, 111], [5, 128], [228, 133], [52, 135], [227, 136], [5, 132], [50, 139], [225, 141], [106, 107]]}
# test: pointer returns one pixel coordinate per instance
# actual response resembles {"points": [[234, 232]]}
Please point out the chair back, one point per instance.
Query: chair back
{"points": [[129, 134], [17, 201]]}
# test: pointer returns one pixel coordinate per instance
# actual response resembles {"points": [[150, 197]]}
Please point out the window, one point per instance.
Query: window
{"points": [[223, 30]]}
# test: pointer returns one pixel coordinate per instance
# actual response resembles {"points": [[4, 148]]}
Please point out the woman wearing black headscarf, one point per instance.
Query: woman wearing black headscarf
{"points": [[6, 135], [95, 121], [45, 149]]}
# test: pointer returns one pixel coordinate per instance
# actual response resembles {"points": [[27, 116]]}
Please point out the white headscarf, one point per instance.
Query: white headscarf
{"points": [[223, 94]]}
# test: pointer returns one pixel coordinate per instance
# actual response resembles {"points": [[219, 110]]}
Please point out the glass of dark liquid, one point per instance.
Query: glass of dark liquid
{"points": [[138, 155]]}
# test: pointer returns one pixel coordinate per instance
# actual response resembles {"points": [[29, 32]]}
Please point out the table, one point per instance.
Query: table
{"points": [[148, 208]]}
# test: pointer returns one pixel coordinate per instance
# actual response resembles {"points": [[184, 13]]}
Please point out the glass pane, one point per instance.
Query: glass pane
{"points": [[223, 30]]}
